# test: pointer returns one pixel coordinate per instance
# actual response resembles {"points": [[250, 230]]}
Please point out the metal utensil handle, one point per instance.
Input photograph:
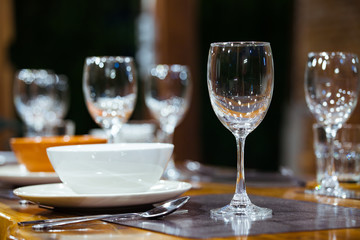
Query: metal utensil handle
{"points": [[27, 223], [49, 225]]}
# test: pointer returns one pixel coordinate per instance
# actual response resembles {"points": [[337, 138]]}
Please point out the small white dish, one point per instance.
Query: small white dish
{"points": [[17, 174], [59, 195]]}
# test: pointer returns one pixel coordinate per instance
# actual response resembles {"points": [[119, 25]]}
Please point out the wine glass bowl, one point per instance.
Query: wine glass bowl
{"points": [[41, 99], [167, 96], [240, 83], [331, 86], [110, 89], [331, 92]]}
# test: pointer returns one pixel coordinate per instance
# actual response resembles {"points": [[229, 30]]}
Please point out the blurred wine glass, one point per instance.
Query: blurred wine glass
{"points": [[110, 89], [332, 84], [167, 95], [41, 99]]}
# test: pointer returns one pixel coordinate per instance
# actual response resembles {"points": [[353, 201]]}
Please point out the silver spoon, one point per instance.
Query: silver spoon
{"points": [[159, 211]]}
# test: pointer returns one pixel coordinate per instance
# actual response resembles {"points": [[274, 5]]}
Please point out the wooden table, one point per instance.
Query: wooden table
{"points": [[11, 212]]}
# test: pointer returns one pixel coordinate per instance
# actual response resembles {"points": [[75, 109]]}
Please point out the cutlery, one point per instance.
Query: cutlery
{"points": [[159, 211]]}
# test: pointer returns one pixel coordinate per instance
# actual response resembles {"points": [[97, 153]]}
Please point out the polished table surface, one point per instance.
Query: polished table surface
{"points": [[11, 212]]}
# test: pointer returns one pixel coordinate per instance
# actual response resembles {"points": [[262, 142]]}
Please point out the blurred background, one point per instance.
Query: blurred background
{"points": [[59, 35]]}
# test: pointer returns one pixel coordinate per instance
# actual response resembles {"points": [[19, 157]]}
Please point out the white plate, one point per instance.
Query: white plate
{"points": [[7, 157], [59, 195], [18, 175]]}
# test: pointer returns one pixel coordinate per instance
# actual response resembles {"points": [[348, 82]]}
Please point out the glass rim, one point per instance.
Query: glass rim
{"points": [[240, 43], [110, 57], [168, 64], [50, 71], [35, 73], [95, 60], [331, 53]]}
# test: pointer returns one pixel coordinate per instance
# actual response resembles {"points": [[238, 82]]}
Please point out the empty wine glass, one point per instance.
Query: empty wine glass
{"points": [[331, 92], [167, 95], [41, 98], [240, 83], [110, 88]]}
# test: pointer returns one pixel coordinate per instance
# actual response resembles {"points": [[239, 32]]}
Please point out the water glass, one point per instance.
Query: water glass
{"points": [[346, 152], [347, 159]]}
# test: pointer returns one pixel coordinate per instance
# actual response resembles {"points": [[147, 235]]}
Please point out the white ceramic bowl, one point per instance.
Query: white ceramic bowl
{"points": [[110, 168]]}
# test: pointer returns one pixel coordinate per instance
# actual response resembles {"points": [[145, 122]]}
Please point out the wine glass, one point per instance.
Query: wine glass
{"points": [[41, 99], [167, 95], [331, 92], [240, 83], [110, 88]]}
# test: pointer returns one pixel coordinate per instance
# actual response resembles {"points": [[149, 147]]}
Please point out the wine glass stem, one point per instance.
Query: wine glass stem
{"points": [[240, 198], [110, 137], [330, 179], [330, 164], [240, 180], [112, 133], [167, 133], [168, 137]]}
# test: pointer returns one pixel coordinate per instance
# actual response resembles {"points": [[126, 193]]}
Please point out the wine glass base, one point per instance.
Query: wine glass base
{"points": [[333, 192], [249, 211]]}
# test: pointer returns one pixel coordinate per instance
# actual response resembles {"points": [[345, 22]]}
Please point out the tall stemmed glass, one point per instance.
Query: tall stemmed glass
{"points": [[167, 95], [41, 99], [240, 83], [110, 88], [331, 91]]}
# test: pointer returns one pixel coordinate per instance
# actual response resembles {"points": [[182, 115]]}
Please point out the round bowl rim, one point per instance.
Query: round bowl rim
{"points": [[110, 147]]}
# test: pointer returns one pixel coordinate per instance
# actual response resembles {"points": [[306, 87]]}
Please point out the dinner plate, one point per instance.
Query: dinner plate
{"points": [[18, 175], [59, 195]]}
